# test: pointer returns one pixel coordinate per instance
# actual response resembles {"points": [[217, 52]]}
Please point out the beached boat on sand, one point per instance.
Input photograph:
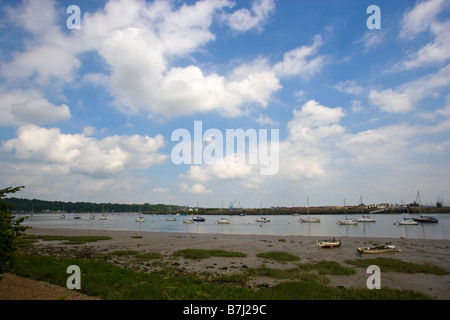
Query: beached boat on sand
{"points": [[329, 243], [378, 249]]}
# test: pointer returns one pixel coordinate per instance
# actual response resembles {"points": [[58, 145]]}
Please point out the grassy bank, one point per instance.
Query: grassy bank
{"points": [[104, 280]]}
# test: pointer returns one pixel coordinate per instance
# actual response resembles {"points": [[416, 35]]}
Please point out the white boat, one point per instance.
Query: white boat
{"points": [[329, 243], [347, 222], [140, 219], [188, 221], [365, 219], [63, 216], [309, 219], [171, 219], [262, 219], [103, 217], [223, 221], [407, 222]]}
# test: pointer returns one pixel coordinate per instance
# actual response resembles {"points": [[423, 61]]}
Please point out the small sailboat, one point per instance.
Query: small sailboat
{"points": [[223, 221], [171, 219], [346, 221], [426, 219], [309, 219], [377, 249], [365, 219], [189, 221], [199, 219], [103, 217], [92, 217], [406, 221], [262, 219], [77, 217], [329, 243], [140, 219]]}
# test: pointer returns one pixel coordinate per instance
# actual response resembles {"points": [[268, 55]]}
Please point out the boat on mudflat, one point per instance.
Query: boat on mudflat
{"points": [[329, 243], [377, 249]]}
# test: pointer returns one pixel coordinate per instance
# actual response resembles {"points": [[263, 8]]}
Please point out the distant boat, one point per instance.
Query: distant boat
{"points": [[347, 221], [408, 222], [365, 219], [92, 217], [63, 216], [103, 217], [329, 243], [309, 219], [199, 219], [140, 219], [262, 219], [223, 221], [171, 219], [189, 221], [426, 219], [378, 249], [77, 217]]}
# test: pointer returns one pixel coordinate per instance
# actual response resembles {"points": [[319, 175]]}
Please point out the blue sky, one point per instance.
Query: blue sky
{"points": [[87, 114]]}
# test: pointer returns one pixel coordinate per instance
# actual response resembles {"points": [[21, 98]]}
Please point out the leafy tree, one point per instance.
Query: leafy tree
{"points": [[10, 230]]}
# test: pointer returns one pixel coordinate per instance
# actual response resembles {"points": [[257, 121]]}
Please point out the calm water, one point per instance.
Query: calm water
{"points": [[279, 225]]}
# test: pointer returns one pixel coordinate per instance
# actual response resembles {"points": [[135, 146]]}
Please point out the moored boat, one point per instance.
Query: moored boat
{"points": [[199, 219], [329, 243], [426, 219], [262, 219], [140, 219], [377, 249], [407, 222], [223, 221], [189, 221], [365, 219]]}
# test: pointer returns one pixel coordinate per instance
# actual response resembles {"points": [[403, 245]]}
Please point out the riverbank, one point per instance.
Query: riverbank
{"points": [[434, 252]]}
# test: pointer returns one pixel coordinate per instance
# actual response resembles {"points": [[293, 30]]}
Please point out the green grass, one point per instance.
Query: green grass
{"points": [[396, 265], [279, 256], [203, 254], [67, 239], [107, 281]]}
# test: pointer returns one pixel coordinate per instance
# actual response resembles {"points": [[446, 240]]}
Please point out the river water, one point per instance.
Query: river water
{"points": [[282, 225]]}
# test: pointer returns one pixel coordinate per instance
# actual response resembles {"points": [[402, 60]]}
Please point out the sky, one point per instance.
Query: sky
{"points": [[355, 102]]}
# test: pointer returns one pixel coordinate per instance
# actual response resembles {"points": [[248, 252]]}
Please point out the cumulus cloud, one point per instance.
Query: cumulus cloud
{"points": [[244, 19], [196, 188], [20, 107], [391, 101], [79, 154]]}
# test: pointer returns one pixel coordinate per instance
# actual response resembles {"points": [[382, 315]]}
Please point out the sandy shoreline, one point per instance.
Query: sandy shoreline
{"points": [[435, 252]]}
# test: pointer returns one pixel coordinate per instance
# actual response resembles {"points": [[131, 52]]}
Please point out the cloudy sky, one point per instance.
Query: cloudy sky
{"points": [[87, 114]]}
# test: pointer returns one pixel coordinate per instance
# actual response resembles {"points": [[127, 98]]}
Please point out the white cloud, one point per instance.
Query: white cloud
{"points": [[301, 61], [160, 190], [420, 17], [196, 188], [79, 154], [424, 17], [20, 107], [391, 101], [349, 86], [244, 19]]}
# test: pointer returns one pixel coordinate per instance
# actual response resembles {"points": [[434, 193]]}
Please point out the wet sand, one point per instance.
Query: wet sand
{"points": [[434, 252]]}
